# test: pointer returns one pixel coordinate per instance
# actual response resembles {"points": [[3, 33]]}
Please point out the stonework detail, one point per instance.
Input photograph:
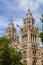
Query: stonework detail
{"points": [[32, 53]]}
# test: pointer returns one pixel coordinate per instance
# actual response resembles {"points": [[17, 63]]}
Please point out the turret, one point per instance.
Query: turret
{"points": [[28, 20], [11, 31]]}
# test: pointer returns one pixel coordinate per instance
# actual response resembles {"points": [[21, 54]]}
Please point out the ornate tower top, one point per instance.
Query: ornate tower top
{"points": [[11, 23], [10, 31], [28, 20], [28, 14]]}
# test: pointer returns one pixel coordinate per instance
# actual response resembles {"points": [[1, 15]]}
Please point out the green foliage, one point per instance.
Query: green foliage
{"points": [[41, 36], [41, 33], [42, 21], [41, 18], [4, 51], [8, 56], [4, 40], [16, 57]]}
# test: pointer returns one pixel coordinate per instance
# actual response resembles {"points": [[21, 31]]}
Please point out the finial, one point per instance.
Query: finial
{"points": [[11, 18], [28, 4]]}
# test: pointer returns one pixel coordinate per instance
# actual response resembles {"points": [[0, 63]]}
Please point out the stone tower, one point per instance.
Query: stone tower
{"points": [[11, 31], [11, 34], [28, 43], [29, 40]]}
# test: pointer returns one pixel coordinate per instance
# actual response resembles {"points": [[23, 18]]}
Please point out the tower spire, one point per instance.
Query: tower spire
{"points": [[11, 19], [28, 4], [11, 22], [28, 14]]}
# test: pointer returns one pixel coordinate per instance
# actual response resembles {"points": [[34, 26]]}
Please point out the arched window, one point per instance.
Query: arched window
{"points": [[35, 38], [24, 52], [25, 62], [25, 37], [42, 62], [34, 62], [28, 22], [24, 22], [31, 36], [34, 52]]}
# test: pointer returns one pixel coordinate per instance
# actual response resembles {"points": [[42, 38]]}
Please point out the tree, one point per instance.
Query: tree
{"points": [[4, 51], [41, 36], [42, 21], [41, 33], [8, 56], [16, 57]]}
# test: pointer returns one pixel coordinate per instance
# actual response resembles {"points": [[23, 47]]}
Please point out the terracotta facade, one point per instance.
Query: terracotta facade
{"points": [[32, 53]]}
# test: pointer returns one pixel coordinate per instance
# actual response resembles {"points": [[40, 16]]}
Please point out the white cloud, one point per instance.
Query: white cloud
{"points": [[37, 17], [3, 21], [40, 1], [34, 5], [9, 5], [4, 24], [22, 4], [1, 31]]}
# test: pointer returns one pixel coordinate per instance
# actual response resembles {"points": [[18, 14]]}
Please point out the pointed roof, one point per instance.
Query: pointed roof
{"points": [[11, 23], [29, 14]]}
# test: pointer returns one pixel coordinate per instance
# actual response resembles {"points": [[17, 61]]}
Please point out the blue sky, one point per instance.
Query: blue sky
{"points": [[17, 9]]}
